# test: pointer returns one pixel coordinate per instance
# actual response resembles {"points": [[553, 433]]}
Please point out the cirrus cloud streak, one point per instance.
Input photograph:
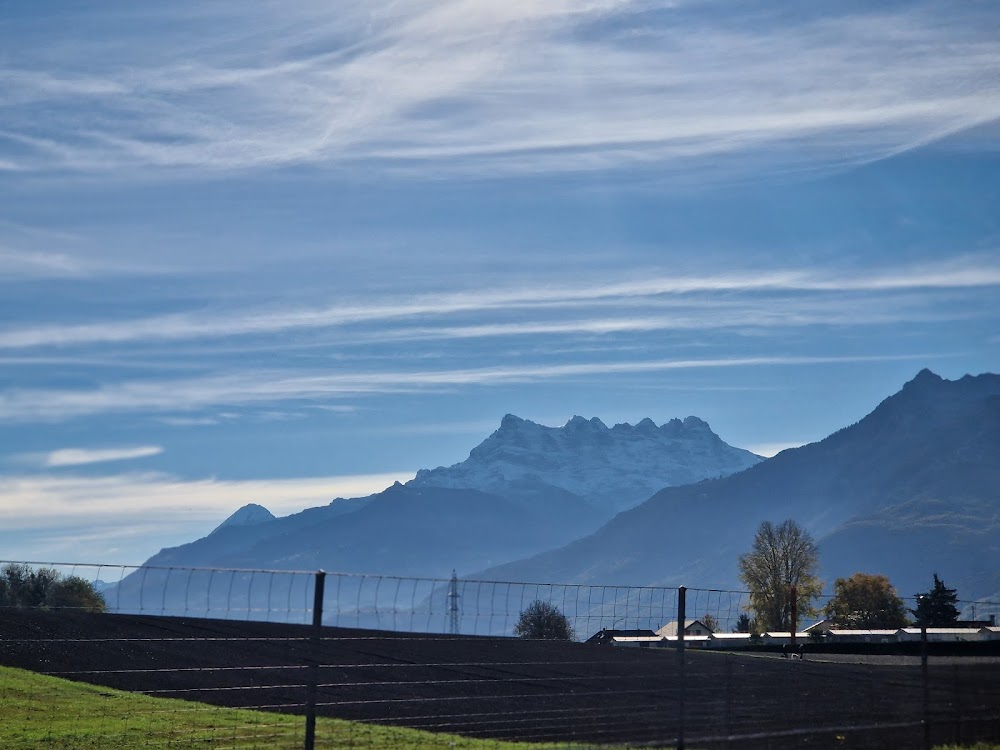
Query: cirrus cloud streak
{"points": [[245, 388], [47, 517], [961, 273], [468, 86], [84, 456]]}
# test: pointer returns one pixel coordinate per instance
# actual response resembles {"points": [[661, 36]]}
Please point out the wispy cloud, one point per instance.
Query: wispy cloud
{"points": [[28, 252], [518, 87], [20, 264], [962, 273], [28, 500], [189, 421], [254, 387], [138, 513], [83, 456]]}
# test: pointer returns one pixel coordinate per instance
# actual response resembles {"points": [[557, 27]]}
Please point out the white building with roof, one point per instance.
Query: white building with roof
{"points": [[843, 635], [943, 635], [691, 628], [637, 641]]}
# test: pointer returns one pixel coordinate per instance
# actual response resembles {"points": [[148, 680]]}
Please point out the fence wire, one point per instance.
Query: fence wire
{"points": [[226, 658]]}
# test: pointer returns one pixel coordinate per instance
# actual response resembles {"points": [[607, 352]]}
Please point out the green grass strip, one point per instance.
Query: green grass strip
{"points": [[40, 711]]}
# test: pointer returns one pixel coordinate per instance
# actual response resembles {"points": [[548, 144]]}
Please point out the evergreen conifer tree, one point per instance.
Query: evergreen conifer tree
{"points": [[936, 608]]}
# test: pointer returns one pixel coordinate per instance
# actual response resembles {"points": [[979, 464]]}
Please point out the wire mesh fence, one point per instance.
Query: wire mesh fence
{"points": [[415, 604], [272, 659]]}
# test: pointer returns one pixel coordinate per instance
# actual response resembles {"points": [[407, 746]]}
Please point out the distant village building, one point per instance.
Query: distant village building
{"points": [[691, 628], [839, 635], [638, 641], [698, 635], [783, 638], [944, 635], [610, 637], [821, 628]]}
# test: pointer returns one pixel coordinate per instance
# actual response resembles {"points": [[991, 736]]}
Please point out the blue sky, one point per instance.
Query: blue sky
{"points": [[286, 254]]}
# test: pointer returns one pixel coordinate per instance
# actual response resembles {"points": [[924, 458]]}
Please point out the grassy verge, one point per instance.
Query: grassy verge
{"points": [[39, 711]]}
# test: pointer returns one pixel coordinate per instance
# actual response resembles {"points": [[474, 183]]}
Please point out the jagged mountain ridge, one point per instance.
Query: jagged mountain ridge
{"points": [[509, 499], [613, 468], [911, 489]]}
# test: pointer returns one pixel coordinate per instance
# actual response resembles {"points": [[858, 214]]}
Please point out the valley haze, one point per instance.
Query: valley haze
{"points": [[284, 256], [909, 490]]}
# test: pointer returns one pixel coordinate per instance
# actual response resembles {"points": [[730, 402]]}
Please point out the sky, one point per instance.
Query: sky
{"points": [[288, 252]]}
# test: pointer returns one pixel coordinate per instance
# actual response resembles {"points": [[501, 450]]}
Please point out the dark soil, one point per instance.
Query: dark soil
{"points": [[512, 689]]}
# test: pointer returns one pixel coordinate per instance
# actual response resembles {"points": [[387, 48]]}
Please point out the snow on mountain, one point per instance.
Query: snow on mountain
{"points": [[614, 468], [909, 490], [526, 489], [248, 515]]}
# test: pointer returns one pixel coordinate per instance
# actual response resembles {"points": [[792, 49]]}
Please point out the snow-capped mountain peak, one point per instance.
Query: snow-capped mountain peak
{"points": [[614, 468]]}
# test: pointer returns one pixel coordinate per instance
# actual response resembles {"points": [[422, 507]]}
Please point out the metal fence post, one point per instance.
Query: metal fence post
{"points": [[923, 679], [729, 699], [795, 618], [681, 619], [315, 642]]}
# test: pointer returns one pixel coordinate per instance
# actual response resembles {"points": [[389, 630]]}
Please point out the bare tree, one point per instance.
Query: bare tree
{"points": [[543, 620], [783, 557]]}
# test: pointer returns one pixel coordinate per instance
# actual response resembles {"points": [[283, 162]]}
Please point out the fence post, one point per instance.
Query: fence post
{"points": [[313, 678], [795, 618], [681, 618], [729, 699], [923, 680]]}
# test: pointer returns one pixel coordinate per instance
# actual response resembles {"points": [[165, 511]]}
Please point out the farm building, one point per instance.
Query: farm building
{"points": [[691, 628], [724, 641], [783, 638], [821, 627], [638, 641], [611, 637], [691, 641], [840, 635], [944, 635]]}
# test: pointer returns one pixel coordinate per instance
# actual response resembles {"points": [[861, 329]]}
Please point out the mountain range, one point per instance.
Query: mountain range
{"points": [[612, 468], [910, 490], [525, 489]]}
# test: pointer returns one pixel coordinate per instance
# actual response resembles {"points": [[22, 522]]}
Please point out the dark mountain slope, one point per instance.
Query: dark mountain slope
{"points": [[930, 450], [401, 530], [524, 489]]}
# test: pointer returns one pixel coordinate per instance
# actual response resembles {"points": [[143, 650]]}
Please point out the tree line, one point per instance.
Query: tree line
{"points": [[780, 572], [46, 588]]}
